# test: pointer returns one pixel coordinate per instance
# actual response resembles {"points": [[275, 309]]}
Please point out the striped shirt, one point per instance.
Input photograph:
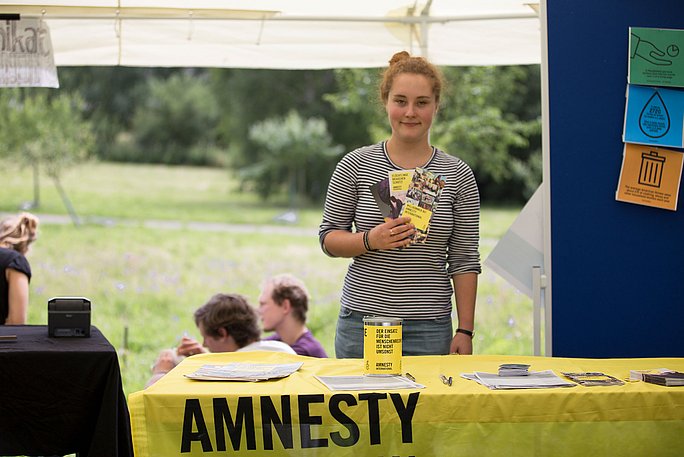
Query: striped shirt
{"points": [[414, 282]]}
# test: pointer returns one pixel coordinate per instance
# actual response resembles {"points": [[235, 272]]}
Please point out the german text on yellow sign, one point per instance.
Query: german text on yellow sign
{"points": [[382, 345]]}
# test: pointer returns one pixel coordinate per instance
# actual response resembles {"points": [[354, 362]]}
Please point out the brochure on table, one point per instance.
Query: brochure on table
{"points": [[534, 380], [363, 382], [244, 371]]}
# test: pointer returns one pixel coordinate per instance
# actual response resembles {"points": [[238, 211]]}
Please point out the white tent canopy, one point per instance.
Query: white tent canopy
{"points": [[285, 34]]}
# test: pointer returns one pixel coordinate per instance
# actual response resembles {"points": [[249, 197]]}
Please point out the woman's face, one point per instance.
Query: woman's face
{"points": [[411, 106]]}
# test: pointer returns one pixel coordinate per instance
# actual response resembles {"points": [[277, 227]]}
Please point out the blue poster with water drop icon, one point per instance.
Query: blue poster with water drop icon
{"points": [[654, 116]]}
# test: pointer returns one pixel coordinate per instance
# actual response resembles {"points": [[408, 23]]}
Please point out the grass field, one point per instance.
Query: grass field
{"points": [[156, 242]]}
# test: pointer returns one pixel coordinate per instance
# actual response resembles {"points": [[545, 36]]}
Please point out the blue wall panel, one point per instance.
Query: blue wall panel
{"points": [[618, 268]]}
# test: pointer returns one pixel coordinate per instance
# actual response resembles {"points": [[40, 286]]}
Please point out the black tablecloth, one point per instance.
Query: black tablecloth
{"points": [[61, 395]]}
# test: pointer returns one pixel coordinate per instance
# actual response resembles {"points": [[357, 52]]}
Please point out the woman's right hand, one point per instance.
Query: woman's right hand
{"points": [[395, 233]]}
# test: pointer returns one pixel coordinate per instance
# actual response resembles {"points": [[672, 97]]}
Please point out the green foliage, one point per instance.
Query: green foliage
{"points": [[248, 97], [482, 141], [111, 95], [358, 96], [44, 131], [291, 151], [489, 116], [176, 122]]}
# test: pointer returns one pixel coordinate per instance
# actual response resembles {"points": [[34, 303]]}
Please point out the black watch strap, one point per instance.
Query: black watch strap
{"points": [[470, 333]]}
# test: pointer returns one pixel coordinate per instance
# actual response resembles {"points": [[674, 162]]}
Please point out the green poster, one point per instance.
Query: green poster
{"points": [[656, 57]]}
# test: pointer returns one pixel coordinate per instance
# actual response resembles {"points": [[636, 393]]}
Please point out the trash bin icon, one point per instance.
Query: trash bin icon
{"points": [[651, 170]]}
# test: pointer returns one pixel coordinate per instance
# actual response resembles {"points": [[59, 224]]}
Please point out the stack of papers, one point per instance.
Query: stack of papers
{"points": [[368, 382], [673, 378], [514, 369], [638, 375], [244, 371], [534, 380]]}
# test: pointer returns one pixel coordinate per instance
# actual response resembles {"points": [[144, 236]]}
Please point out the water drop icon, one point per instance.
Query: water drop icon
{"points": [[654, 120]]}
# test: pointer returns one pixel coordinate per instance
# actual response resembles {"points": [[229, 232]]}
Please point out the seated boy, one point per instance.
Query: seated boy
{"points": [[227, 323], [283, 304]]}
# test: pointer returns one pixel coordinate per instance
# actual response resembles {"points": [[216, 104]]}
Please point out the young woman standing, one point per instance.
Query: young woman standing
{"points": [[389, 275]]}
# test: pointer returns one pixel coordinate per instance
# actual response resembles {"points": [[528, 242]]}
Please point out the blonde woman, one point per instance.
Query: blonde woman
{"points": [[16, 235]]}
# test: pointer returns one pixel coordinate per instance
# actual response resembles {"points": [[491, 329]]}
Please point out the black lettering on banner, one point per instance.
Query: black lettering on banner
{"points": [[243, 416], [269, 416], [193, 413], [346, 421], [406, 414], [373, 414], [306, 421], [29, 40]]}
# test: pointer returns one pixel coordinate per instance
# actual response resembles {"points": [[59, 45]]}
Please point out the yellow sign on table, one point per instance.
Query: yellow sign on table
{"points": [[299, 416], [382, 345], [650, 176]]}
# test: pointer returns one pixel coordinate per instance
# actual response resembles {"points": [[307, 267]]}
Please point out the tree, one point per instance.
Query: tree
{"points": [[46, 132], [110, 95], [176, 124], [247, 97], [293, 150], [491, 118]]}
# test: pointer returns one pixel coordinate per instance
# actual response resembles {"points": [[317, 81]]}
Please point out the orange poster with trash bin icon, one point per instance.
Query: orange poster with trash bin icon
{"points": [[650, 176]]}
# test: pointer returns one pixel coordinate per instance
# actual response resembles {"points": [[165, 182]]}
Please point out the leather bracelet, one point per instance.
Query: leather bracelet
{"points": [[470, 333], [366, 244]]}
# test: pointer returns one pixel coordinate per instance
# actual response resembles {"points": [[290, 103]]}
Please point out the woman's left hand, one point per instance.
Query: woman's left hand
{"points": [[461, 344]]}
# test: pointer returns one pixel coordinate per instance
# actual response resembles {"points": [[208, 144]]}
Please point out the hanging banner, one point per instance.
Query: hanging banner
{"points": [[26, 54], [650, 176]]}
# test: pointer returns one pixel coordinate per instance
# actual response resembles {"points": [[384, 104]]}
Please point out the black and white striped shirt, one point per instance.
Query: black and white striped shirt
{"points": [[412, 283]]}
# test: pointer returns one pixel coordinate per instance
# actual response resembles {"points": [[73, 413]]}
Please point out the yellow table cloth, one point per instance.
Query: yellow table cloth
{"points": [[299, 416]]}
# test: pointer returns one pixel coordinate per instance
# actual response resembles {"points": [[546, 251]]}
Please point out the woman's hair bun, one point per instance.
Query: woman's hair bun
{"points": [[399, 56]]}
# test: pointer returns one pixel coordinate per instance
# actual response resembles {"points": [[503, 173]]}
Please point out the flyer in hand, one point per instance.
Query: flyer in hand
{"points": [[413, 193], [381, 194], [422, 197]]}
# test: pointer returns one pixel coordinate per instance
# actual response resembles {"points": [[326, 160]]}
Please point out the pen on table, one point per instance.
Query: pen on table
{"points": [[410, 376]]}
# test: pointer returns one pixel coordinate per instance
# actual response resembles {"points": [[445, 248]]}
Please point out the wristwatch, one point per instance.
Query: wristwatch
{"points": [[470, 333]]}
